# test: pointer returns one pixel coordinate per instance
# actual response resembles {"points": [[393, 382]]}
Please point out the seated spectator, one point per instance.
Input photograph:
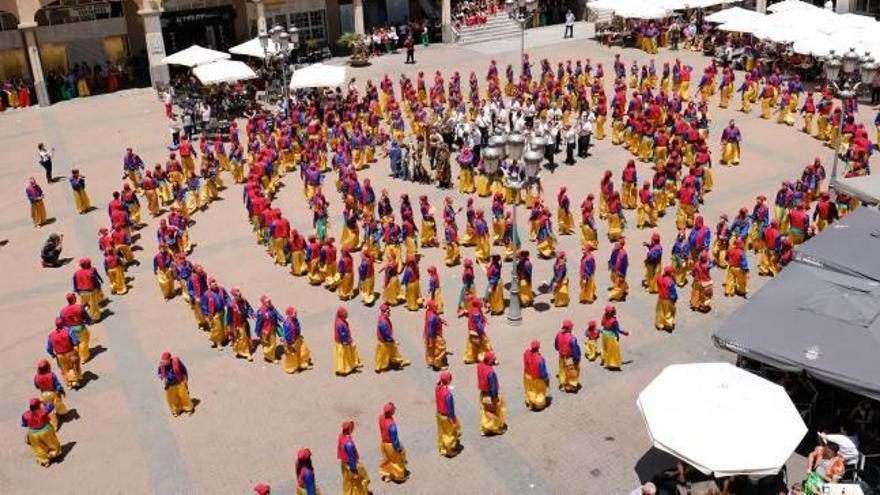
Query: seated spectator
{"points": [[51, 251], [824, 465], [848, 445]]}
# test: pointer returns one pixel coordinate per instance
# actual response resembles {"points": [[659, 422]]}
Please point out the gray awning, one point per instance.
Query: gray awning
{"points": [[850, 245], [821, 315], [812, 320], [866, 188]]}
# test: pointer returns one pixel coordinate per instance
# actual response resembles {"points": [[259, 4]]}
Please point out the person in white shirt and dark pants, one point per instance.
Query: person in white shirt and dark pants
{"points": [[569, 24]]}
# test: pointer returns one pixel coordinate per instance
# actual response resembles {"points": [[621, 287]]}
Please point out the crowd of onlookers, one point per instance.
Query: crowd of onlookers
{"points": [[79, 81], [474, 12], [389, 39]]}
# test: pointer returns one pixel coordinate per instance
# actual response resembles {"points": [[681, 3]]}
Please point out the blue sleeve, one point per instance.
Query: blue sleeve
{"points": [[309, 483], [258, 325], [74, 339], [75, 288], [744, 262], [343, 334], [543, 370], [673, 293], [349, 450], [96, 278], [384, 331], [395, 440], [56, 384], [493, 384], [406, 276], [204, 304], [575, 350], [432, 327], [49, 347], [450, 406], [23, 421]]}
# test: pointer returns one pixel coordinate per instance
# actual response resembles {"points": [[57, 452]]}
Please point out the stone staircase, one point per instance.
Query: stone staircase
{"points": [[498, 26]]}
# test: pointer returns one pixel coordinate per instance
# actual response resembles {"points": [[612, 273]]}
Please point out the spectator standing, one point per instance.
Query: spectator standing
{"points": [[569, 24], [410, 45]]}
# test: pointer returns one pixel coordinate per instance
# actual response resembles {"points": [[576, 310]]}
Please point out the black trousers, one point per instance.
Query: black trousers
{"points": [[569, 153], [569, 32], [584, 145], [410, 56], [47, 166]]}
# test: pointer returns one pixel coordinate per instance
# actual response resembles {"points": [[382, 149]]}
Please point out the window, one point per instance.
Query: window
{"points": [[70, 11], [311, 25], [8, 21], [870, 7]]}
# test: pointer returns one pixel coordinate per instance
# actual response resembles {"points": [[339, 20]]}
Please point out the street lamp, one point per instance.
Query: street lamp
{"points": [[850, 63], [521, 11]]}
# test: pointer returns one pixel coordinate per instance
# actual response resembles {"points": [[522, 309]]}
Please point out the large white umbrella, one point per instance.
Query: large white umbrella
{"points": [[253, 48], [223, 71], [721, 419], [318, 76], [195, 55]]}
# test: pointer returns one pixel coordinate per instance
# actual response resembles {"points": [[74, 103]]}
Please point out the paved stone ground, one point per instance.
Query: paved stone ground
{"points": [[252, 418]]}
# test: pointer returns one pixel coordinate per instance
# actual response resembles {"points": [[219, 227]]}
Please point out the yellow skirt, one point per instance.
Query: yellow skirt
{"points": [[82, 201], [591, 349], [267, 340], [92, 300], [346, 287], [619, 288], [453, 255], [414, 299], [496, 300], [588, 291], [526, 294], [566, 223], [298, 265], [628, 197], [560, 295], [546, 248], [588, 235], [355, 485], [242, 344], [392, 293], [428, 236], [482, 186], [388, 356], [69, 364], [346, 359], [38, 213], [83, 350], [393, 467], [610, 352], [177, 397], [297, 357], [351, 238], [475, 348], [45, 444], [664, 314], [615, 227], [218, 330], [569, 374], [730, 153], [435, 353], [448, 435], [466, 181], [493, 416], [737, 282], [701, 296], [367, 292], [536, 392], [117, 280]]}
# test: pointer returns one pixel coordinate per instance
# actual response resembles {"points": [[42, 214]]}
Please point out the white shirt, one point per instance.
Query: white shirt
{"points": [[849, 450], [569, 19]]}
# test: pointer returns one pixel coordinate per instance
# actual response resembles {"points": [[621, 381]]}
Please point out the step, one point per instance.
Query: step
{"points": [[481, 39], [493, 29], [493, 34]]}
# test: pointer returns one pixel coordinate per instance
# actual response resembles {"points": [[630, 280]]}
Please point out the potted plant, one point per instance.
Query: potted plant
{"points": [[354, 43]]}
